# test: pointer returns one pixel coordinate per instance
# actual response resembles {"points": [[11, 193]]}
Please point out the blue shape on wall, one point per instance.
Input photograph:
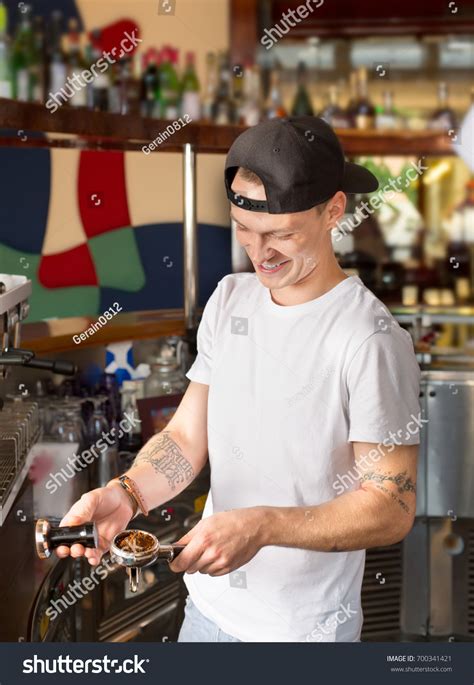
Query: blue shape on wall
{"points": [[24, 197], [161, 252]]}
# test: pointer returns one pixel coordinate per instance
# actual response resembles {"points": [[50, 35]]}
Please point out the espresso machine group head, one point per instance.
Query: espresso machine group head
{"points": [[14, 308]]}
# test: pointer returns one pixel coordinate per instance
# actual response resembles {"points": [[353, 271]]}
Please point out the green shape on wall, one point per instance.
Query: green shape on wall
{"points": [[117, 260], [47, 303]]}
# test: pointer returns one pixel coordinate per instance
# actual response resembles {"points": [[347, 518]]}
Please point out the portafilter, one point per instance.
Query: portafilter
{"points": [[135, 549]]}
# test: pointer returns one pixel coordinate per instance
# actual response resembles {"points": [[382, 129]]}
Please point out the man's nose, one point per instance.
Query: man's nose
{"points": [[259, 250]]}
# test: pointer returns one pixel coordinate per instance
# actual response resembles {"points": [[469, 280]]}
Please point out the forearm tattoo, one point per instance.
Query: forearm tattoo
{"points": [[403, 483], [165, 455]]}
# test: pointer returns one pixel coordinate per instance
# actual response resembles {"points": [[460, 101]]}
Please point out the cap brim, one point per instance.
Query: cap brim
{"points": [[358, 179]]}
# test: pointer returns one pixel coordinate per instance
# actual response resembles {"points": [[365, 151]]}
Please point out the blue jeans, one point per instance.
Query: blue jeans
{"points": [[198, 628]]}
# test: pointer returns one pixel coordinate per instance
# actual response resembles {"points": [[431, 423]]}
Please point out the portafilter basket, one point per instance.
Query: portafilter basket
{"points": [[135, 549]]}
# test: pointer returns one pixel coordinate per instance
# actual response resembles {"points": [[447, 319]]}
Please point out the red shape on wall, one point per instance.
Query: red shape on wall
{"points": [[111, 37], [102, 192], [66, 269]]}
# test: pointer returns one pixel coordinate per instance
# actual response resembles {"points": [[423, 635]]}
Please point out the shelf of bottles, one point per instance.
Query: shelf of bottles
{"points": [[48, 86]]}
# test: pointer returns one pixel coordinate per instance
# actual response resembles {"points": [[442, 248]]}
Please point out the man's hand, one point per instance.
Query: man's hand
{"points": [[111, 510], [222, 542]]}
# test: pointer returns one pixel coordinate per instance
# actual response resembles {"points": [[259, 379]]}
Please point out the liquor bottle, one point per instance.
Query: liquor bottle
{"points": [[40, 67], [443, 117], [76, 64], [302, 102], [251, 110], [150, 82], [57, 57], [99, 96], [5, 66], [23, 57], [364, 111], [223, 112], [460, 252], [333, 113], [128, 88], [89, 91], [274, 102], [350, 108], [387, 116], [167, 102], [239, 79], [190, 87], [210, 89]]}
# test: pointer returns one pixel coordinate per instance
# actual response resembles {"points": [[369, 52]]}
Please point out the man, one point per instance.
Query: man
{"points": [[301, 394]]}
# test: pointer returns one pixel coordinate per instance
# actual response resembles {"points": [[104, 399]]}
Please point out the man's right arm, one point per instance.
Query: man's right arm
{"points": [[170, 460], [164, 467]]}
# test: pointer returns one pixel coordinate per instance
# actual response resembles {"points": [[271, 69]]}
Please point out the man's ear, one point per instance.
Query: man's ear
{"points": [[335, 209]]}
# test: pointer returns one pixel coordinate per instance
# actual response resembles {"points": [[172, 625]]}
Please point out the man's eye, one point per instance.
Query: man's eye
{"points": [[284, 237]]}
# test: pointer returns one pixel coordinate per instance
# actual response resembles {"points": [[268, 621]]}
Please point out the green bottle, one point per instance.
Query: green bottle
{"points": [[302, 103], [5, 67], [190, 99], [23, 57], [168, 92]]}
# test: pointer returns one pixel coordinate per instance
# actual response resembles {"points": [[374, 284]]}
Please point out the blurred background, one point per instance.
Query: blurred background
{"points": [[91, 216]]}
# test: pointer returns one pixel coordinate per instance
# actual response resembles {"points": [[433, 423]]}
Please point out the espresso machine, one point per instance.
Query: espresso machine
{"points": [[20, 430], [19, 420]]}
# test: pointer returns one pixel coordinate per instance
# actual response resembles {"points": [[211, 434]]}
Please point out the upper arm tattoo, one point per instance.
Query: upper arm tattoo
{"points": [[403, 482], [166, 457]]}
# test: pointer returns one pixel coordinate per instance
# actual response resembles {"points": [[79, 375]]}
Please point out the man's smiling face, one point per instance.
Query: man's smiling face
{"points": [[284, 248]]}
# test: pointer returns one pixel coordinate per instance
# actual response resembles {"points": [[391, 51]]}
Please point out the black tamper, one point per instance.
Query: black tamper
{"points": [[48, 537]]}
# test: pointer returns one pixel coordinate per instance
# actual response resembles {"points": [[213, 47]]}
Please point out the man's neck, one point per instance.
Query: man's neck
{"points": [[320, 281]]}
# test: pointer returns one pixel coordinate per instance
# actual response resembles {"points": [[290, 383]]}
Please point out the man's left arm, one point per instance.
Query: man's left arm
{"points": [[380, 512]]}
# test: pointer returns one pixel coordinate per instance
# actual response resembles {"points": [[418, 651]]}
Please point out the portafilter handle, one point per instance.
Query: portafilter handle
{"points": [[48, 537], [168, 552]]}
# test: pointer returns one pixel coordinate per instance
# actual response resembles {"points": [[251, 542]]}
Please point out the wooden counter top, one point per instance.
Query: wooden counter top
{"points": [[56, 335]]}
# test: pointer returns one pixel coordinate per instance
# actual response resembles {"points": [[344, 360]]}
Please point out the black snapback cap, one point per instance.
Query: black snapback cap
{"points": [[301, 164]]}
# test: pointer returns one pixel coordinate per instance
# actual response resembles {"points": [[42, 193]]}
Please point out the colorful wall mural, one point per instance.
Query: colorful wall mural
{"points": [[92, 228]]}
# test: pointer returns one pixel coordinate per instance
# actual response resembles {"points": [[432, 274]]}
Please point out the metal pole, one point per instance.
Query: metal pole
{"points": [[190, 237]]}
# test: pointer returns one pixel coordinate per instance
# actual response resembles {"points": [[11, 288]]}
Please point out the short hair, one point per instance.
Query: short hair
{"points": [[251, 177]]}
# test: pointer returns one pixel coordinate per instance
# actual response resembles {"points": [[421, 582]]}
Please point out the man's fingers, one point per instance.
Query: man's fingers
{"points": [[219, 572], [188, 557], [81, 511], [214, 570], [71, 520], [77, 551], [62, 551], [186, 539]]}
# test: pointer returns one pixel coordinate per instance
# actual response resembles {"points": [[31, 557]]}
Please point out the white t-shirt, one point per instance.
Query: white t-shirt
{"points": [[290, 387]]}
